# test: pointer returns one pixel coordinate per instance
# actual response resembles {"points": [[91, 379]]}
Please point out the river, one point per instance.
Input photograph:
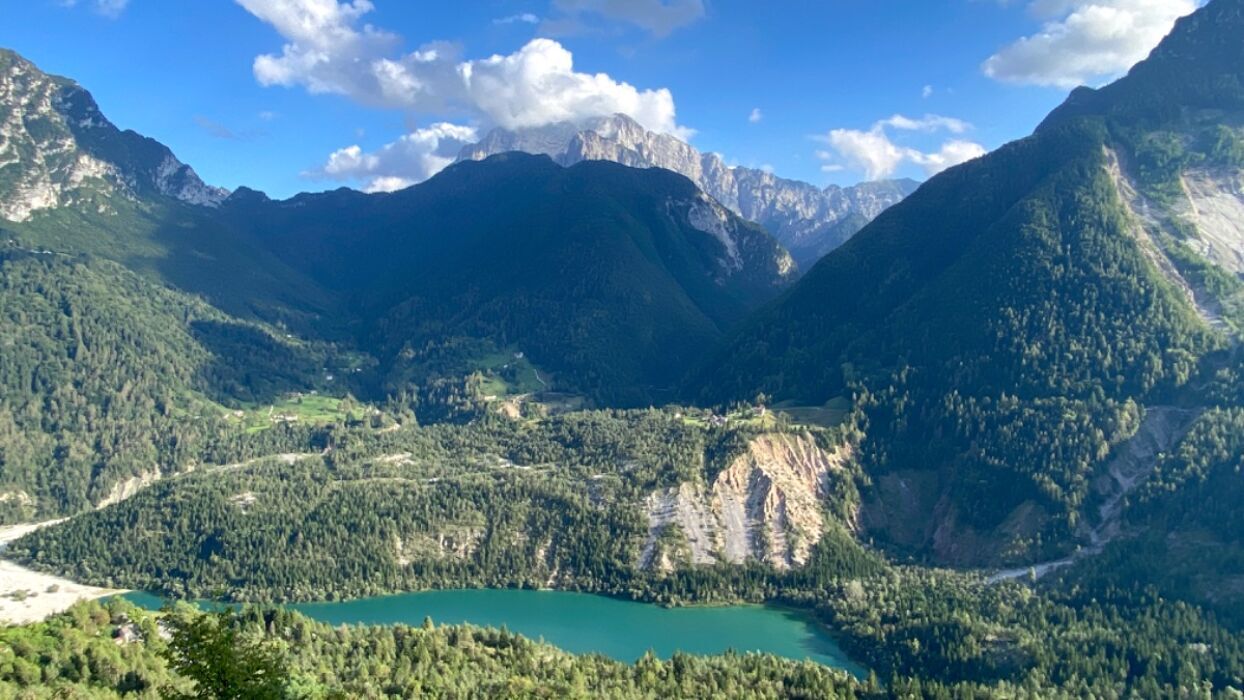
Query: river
{"points": [[584, 623]]}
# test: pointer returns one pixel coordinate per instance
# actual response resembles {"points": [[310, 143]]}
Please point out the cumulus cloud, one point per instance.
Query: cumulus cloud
{"points": [[659, 17], [329, 50], [878, 156], [107, 8], [538, 85], [755, 116], [411, 159], [926, 92], [1084, 41]]}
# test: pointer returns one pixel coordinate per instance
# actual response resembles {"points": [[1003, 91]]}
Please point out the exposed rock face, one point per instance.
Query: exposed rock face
{"points": [[767, 505], [808, 220], [1212, 214], [124, 490], [747, 250], [1215, 206], [57, 149]]}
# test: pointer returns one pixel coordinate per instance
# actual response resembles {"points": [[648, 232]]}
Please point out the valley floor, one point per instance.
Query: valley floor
{"points": [[29, 596]]}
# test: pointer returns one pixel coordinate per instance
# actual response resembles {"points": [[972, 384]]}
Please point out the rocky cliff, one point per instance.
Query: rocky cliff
{"points": [[767, 505], [57, 149], [809, 221]]}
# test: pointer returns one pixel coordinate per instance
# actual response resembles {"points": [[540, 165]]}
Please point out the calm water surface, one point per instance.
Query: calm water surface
{"points": [[583, 623]]}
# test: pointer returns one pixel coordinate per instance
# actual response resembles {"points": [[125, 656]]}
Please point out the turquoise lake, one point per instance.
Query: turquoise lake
{"points": [[584, 623]]}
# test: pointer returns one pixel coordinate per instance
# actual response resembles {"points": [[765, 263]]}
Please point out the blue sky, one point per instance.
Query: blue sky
{"points": [[809, 89]]}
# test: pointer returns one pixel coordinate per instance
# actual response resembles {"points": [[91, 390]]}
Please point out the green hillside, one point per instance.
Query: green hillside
{"points": [[108, 376], [1000, 327], [994, 442], [597, 272]]}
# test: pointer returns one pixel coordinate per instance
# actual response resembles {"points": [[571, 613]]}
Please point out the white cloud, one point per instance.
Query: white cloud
{"points": [[524, 18], [538, 85], [951, 154], [878, 156], [1083, 41], [926, 92], [107, 8], [327, 51], [660, 17], [411, 159], [755, 116], [927, 123]]}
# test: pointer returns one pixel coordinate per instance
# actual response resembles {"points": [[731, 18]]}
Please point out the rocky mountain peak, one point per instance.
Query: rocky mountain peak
{"points": [[809, 220], [58, 149]]}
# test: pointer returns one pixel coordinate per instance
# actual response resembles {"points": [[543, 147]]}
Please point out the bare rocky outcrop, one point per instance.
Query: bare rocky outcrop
{"points": [[1213, 205], [58, 149], [128, 488], [766, 505], [808, 220]]}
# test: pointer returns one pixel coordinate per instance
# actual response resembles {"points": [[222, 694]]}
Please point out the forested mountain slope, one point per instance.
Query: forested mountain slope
{"points": [[73, 183], [106, 376], [130, 316], [1040, 347], [612, 278], [1002, 328], [148, 326]]}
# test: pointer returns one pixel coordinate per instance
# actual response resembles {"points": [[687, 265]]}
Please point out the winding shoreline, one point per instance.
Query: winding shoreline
{"points": [[30, 596]]}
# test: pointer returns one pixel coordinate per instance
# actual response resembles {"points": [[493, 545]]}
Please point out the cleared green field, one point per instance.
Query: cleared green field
{"points": [[508, 373], [313, 409], [829, 415]]}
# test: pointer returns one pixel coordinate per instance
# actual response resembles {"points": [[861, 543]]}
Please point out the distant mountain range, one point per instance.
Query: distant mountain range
{"points": [[810, 221]]}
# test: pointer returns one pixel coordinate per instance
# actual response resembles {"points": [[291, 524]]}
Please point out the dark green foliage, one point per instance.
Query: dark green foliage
{"points": [[998, 334], [209, 651], [1001, 324], [74, 655], [1228, 147], [595, 271], [1021, 317], [1187, 523], [494, 503], [954, 636], [106, 375]]}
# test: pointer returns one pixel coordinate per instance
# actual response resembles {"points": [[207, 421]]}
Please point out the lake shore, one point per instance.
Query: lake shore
{"points": [[585, 623], [30, 596]]}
